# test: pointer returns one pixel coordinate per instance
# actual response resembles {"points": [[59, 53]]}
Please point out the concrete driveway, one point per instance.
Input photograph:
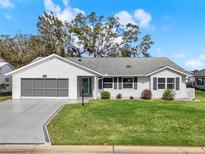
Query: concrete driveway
{"points": [[22, 121]]}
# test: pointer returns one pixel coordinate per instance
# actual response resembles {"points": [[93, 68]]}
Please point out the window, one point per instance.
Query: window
{"points": [[7, 80], [200, 81], [128, 83], [107, 82], [161, 83], [170, 83]]}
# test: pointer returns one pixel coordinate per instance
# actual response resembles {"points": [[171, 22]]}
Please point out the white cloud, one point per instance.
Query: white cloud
{"points": [[178, 55], [196, 63], [125, 17], [66, 14], [6, 4], [8, 16], [144, 18], [65, 2], [140, 17], [50, 6], [158, 49]]}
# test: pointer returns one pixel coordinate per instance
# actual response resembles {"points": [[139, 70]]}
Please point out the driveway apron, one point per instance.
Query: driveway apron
{"points": [[22, 121]]}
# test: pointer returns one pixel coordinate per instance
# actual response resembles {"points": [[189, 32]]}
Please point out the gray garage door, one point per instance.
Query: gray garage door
{"points": [[48, 87]]}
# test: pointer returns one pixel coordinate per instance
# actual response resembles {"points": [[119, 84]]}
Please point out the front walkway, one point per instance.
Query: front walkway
{"points": [[102, 149]]}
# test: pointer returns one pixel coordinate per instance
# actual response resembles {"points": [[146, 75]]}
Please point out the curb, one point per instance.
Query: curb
{"points": [[45, 129]]}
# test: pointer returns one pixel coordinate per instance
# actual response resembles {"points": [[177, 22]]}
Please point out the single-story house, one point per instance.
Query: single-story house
{"points": [[198, 79], [64, 78], [5, 67]]}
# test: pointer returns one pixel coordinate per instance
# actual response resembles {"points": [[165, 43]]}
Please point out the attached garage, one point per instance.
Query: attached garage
{"points": [[44, 87]]}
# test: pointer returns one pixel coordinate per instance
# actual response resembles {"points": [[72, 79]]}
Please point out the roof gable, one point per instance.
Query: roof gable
{"points": [[36, 62]]}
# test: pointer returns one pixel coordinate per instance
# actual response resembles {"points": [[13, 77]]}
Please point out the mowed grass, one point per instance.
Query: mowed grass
{"points": [[131, 122]]}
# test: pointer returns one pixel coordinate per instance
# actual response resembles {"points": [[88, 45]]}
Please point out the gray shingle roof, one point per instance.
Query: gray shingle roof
{"points": [[200, 73], [125, 66]]}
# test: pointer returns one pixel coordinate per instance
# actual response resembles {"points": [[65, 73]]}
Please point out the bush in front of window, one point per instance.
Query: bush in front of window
{"points": [[168, 95], [105, 95], [131, 97], [146, 94], [119, 96]]}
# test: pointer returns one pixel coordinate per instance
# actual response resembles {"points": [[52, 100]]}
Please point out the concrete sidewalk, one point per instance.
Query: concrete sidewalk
{"points": [[101, 149]]}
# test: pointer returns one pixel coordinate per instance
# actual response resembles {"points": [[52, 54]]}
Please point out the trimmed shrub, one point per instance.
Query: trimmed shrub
{"points": [[119, 96], [105, 95], [146, 94], [168, 95], [131, 97]]}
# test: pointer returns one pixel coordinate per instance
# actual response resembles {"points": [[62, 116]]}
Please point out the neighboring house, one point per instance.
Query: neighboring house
{"points": [[198, 79], [57, 77], [5, 67]]}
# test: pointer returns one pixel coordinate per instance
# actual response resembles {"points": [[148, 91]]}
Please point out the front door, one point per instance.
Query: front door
{"points": [[85, 86]]}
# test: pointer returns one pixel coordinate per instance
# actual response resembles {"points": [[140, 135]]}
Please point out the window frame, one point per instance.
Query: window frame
{"points": [[202, 81], [108, 82], [128, 83], [174, 83], [166, 83], [160, 83]]}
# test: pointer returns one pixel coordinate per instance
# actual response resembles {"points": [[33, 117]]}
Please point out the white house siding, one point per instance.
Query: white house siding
{"points": [[53, 68], [167, 73], [143, 83], [6, 69]]}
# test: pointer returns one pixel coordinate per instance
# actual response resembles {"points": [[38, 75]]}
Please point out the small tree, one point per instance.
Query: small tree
{"points": [[3, 86]]}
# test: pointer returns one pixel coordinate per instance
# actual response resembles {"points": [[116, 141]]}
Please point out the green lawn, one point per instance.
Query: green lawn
{"points": [[131, 122], [3, 98]]}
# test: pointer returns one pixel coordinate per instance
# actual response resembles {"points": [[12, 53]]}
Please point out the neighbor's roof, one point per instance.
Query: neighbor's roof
{"points": [[2, 64], [200, 73], [125, 66]]}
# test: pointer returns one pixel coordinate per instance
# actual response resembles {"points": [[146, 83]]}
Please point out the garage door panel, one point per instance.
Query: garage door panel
{"points": [[51, 83], [26, 92], [38, 83], [62, 93], [50, 92], [26, 83], [38, 92], [62, 84]]}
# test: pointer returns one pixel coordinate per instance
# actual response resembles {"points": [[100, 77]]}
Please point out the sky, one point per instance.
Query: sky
{"points": [[177, 27]]}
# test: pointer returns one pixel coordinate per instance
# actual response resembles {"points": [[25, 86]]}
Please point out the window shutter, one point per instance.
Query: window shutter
{"points": [[154, 83], [99, 83], [90, 81], [135, 82], [120, 82], [177, 83], [115, 82]]}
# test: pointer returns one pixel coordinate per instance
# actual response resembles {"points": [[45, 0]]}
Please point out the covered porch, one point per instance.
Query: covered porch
{"points": [[87, 87]]}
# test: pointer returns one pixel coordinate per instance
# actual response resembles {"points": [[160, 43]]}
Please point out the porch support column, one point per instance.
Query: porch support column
{"points": [[95, 87]]}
